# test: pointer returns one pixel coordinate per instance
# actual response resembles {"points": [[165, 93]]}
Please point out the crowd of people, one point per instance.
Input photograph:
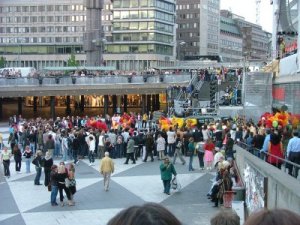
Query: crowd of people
{"points": [[39, 141]]}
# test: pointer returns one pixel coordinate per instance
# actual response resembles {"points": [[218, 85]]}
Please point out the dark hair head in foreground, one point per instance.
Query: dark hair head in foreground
{"points": [[147, 214], [225, 218], [273, 217]]}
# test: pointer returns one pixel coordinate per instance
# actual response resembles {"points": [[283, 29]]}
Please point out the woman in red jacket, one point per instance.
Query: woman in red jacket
{"points": [[275, 151]]}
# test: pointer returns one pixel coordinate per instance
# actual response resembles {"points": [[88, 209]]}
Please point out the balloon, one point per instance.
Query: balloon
{"points": [[275, 123]]}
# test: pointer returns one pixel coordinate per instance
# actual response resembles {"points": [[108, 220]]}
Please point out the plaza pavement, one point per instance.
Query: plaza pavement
{"points": [[21, 202]]}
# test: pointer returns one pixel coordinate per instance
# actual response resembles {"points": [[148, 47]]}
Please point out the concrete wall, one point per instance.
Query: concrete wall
{"points": [[283, 190]]}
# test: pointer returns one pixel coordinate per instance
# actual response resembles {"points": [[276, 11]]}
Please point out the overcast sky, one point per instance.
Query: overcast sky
{"points": [[247, 9]]}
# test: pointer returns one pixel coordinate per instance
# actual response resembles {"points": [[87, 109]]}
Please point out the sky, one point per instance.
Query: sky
{"points": [[247, 9]]}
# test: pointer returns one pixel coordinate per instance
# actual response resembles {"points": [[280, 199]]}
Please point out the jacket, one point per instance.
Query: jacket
{"points": [[166, 171], [107, 165], [130, 146]]}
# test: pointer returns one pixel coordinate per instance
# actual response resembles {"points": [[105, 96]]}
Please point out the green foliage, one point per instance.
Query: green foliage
{"points": [[2, 62], [72, 61]]}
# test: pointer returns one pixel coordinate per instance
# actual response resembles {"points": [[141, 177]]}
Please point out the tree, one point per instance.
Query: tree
{"points": [[72, 61], [2, 62]]}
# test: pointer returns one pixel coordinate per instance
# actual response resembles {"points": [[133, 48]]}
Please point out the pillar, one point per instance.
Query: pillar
{"points": [[114, 104], [119, 101], [153, 103], [157, 103], [35, 98], [52, 107], [105, 108], [144, 103], [148, 104], [82, 103], [1, 108], [68, 102], [20, 101], [125, 103]]}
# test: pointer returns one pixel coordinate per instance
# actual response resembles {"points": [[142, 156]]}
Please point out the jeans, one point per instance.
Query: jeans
{"points": [[38, 175], [54, 191], [191, 163], [171, 149], [91, 157], [6, 164], [27, 161], [75, 156], [200, 157], [18, 165], [167, 186], [57, 149], [32, 147], [65, 154]]}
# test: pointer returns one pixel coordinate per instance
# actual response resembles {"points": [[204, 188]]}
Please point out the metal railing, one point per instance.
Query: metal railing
{"points": [[92, 80], [281, 163]]}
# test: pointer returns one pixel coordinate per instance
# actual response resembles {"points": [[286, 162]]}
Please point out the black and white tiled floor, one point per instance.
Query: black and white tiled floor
{"points": [[21, 202]]}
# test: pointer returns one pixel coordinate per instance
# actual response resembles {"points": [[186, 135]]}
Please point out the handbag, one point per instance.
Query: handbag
{"points": [[49, 187], [67, 182], [72, 182]]}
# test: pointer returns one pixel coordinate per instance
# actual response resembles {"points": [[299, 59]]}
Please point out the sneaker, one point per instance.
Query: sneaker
{"points": [[90, 164], [77, 162]]}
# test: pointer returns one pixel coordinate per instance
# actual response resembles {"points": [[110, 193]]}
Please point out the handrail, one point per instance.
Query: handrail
{"points": [[264, 156]]}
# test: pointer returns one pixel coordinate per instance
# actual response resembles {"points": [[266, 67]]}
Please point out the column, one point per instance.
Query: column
{"points": [[82, 103], [157, 103], [143, 104], [1, 109], [105, 108], [68, 102], [20, 102], [119, 103], [52, 107], [153, 103], [114, 103], [125, 103], [148, 104], [35, 98]]}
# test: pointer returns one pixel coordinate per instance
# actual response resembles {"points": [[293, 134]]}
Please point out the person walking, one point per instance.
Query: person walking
{"points": [[171, 138], [27, 154], [166, 171], [149, 143], [50, 145], [209, 147], [130, 151], [54, 185], [178, 150], [18, 158], [61, 183], [37, 161], [5, 159], [191, 151], [47, 164], [275, 151], [72, 182], [106, 169], [92, 146], [160, 146]]}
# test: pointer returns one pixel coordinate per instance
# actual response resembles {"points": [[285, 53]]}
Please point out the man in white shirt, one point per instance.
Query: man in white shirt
{"points": [[171, 138]]}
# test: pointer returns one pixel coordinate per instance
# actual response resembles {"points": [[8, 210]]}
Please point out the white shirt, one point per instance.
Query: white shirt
{"points": [[171, 137]]}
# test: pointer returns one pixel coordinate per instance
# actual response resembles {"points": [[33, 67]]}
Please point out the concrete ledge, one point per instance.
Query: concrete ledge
{"points": [[283, 189]]}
